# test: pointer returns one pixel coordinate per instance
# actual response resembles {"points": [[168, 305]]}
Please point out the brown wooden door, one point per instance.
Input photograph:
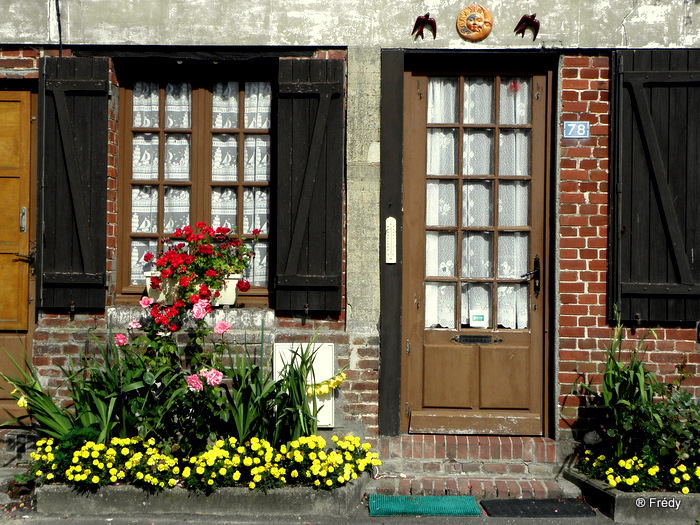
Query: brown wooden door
{"points": [[474, 254], [15, 216]]}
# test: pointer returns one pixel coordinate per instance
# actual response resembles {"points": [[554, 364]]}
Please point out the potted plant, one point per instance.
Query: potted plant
{"points": [[200, 264]]}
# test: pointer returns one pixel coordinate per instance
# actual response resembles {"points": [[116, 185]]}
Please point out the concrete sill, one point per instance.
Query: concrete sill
{"points": [[637, 507], [62, 500]]}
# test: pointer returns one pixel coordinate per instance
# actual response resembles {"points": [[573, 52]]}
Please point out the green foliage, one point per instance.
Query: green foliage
{"points": [[295, 417], [183, 397], [652, 429], [53, 419]]}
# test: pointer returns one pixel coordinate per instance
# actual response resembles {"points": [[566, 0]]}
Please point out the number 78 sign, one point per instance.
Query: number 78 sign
{"points": [[574, 129]]}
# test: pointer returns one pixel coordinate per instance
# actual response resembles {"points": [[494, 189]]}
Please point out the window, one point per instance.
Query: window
{"points": [[195, 149], [255, 143]]}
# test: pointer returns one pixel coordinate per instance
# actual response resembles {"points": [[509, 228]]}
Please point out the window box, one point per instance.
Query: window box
{"points": [[227, 295]]}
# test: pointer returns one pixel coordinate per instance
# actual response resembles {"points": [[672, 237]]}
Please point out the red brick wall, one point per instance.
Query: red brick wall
{"points": [[582, 214]]}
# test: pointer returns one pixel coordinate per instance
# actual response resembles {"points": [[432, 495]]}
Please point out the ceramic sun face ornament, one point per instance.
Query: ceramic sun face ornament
{"points": [[474, 22]]}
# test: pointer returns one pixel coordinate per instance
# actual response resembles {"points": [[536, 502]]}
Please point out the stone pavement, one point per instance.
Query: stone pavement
{"points": [[357, 516]]}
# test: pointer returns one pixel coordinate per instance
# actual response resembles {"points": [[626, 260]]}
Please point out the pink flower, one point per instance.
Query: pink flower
{"points": [[222, 327], [145, 302], [120, 339], [133, 325], [213, 377], [194, 384], [201, 309]]}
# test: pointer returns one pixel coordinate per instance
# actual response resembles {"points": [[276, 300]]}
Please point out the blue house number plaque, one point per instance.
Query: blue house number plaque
{"points": [[575, 129]]}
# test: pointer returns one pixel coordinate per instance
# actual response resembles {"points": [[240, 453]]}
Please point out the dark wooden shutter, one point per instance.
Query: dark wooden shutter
{"points": [[309, 191], [71, 251], [655, 191]]}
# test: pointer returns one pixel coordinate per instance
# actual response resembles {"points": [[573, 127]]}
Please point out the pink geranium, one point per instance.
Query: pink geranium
{"points": [[194, 383], [120, 339], [213, 377], [134, 325], [145, 302], [222, 327]]}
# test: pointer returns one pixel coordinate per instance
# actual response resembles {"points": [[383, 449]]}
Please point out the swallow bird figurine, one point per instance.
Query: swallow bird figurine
{"points": [[528, 22], [420, 24]]}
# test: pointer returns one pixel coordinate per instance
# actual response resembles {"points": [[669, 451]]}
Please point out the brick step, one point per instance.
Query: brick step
{"points": [[480, 488]]}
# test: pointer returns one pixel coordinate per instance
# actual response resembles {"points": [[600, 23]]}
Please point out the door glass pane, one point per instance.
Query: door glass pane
{"points": [[256, 210], [144, 209], [440, 305], [257, 158], [476, 305], [224, 158], [177, 106], [440, 254], [477, 255], [442, 152], [478, 152], [442, 101], [513, 203], [478, 100], [144, 164], [512, 305], [139, 248], [225, 105], [224, 207], [477, 203], [441, 203], [176, 208], [177, 157], [514, 153], [257, 105], [146, 97], [515, 101], [512, 254]]}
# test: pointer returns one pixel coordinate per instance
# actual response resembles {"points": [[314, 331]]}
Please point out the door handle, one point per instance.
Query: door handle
{"points": [[26, 258], [534, 275]]}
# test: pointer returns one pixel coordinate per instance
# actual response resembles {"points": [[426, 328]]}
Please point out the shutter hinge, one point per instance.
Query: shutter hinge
{"points": [[407, 410], [408, 347]]}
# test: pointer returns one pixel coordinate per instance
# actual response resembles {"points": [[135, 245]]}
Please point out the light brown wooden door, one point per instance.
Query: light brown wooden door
{"points": [[15, 218], [474, 254]]}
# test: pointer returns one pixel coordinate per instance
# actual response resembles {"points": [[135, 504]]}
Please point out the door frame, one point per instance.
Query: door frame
{"points": [[394, 63]]}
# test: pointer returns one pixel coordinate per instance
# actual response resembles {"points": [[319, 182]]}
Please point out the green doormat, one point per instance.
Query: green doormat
{"points": [[536, 508], [381, 505]]}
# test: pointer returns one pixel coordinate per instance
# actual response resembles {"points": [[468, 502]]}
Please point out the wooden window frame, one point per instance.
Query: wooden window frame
{"points": [[201, 79]]}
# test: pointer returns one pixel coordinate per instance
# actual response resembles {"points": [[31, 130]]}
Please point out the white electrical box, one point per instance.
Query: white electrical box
{"points": [[323, 369]]}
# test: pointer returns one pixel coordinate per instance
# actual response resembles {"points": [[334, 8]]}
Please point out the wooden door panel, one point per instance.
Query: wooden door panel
{"points": [[14, 196], [504, 377], [456, 365]]}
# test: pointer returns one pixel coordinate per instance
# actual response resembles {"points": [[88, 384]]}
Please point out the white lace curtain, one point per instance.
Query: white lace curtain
{"points": [[477, 202]]}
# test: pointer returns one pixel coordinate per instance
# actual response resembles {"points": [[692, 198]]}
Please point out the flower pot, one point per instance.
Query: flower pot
{"points": [[227, 294]]}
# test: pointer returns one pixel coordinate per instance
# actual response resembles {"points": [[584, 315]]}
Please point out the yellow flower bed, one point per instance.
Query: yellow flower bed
{"points": [[633, 474], [227, 463]]}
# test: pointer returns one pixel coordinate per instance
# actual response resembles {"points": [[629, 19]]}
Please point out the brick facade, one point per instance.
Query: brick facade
{"points": [[584, 332], [442, 464]]}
